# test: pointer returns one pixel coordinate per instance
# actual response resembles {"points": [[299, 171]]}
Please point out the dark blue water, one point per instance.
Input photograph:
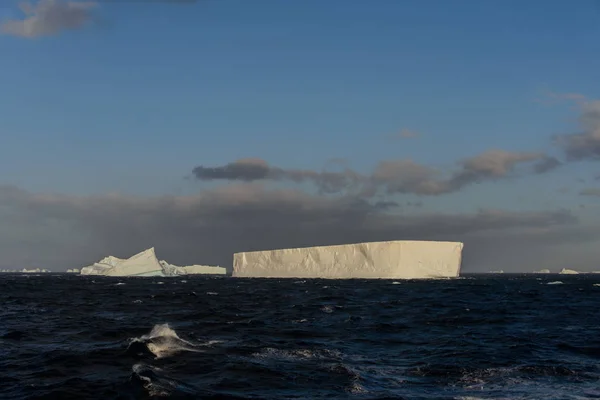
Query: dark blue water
{"points": [[494, 337]]}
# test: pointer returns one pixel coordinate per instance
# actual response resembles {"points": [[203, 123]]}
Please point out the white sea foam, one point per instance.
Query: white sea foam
{"points": [[327, 309], [298, 354], [163, 341]]}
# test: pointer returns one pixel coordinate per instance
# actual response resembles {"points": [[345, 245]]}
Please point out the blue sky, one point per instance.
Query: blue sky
{"points": [[143, 92]]}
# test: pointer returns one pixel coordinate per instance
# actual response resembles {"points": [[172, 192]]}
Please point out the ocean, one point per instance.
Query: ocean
{"points": [[475, 337]]}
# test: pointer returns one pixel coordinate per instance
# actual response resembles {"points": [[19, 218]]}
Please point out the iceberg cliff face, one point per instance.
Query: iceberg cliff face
{"points": [[384, 260], [144, 263]]}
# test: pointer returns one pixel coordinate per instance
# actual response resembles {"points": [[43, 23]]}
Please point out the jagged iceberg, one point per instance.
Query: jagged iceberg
{"points": [[145, 263], [171, 269], [384, 260]]}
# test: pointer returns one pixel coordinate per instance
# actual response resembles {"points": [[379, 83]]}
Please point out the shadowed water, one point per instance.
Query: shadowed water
{"points": [[478, 337]]}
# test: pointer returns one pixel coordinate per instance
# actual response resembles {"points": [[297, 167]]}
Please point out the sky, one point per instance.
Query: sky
{"points": [[209, 127]]}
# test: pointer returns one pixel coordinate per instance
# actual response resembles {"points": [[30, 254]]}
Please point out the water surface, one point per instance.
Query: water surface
{"points": [[476, 337]]}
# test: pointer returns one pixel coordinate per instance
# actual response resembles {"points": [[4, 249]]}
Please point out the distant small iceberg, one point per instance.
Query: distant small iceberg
{"points": [[542, 271], [34, 271], [566, 271], [73, 271], [26, 271]]}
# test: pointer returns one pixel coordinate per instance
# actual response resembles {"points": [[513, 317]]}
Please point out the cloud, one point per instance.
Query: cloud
{"points": [[402, 176], [49, 17], [497, 163], [585, 144], [546, 164], [391, 177], [249, 169], [405, 176], [63, 231], [590, 192], [551, 97], [254, 169], [491, 165], [405, 134]]}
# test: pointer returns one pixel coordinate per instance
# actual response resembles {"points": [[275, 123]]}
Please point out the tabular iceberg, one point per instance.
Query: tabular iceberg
{"points": [[375, 260], [145, 263]]}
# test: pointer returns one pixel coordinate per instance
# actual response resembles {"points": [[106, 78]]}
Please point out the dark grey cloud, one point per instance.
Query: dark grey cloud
{"points": [[255, 169], [585, 144], [546, 164], [391, 177], [63, 231], [490, 166], [250, 169], [49, 17], [590, 192]]}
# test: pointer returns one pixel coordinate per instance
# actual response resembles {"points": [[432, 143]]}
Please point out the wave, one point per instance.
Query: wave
{"points": [[156, 383], [163, 341]]}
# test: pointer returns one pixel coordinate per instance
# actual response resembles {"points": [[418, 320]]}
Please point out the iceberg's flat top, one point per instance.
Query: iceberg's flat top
{"points": [[407, 259], [334, 246]]}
